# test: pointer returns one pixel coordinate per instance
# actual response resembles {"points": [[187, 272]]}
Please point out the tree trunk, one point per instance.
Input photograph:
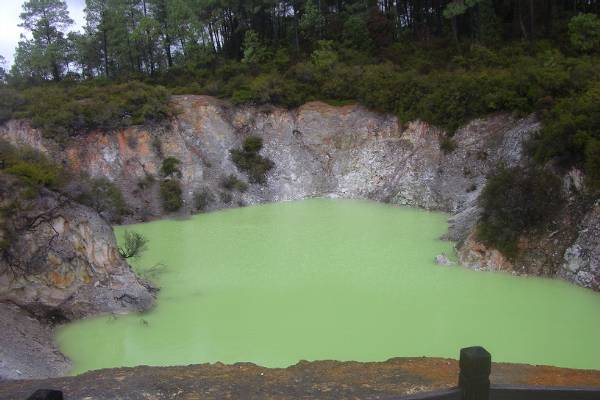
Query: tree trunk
{"points": [[168, 50], [296, 35], [531, 20], [105, 50]]}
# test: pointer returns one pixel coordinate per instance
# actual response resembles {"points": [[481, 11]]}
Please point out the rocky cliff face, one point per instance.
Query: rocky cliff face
{"points": [[62, 259], [321, 150], [582, 258], [318, 150]]}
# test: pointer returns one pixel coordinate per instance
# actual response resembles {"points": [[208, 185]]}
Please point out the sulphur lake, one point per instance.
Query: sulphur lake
{"points": [[329, 279]]}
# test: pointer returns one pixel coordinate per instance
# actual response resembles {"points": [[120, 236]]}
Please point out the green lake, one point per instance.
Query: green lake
{"points": [[330, 279]]}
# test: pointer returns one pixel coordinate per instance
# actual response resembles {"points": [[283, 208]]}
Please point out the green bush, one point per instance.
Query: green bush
{"points": [[225, 197], [103, 196], [170, 167], [171, 194], [62, 111], [231, 182], [592, 161], [571, 132], [584, 32], [248, 160], [514, 201], [10, 101], [203, 199], [31, 167], [447, 145]]}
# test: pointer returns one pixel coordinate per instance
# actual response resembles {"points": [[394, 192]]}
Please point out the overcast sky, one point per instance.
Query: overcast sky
{"points": [[9, 19]]}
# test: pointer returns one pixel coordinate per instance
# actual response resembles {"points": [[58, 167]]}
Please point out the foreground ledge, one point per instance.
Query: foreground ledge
{"points": [[305, 380]]}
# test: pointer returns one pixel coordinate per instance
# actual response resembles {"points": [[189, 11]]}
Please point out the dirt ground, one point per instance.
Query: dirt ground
{"points": [[305, 380]]}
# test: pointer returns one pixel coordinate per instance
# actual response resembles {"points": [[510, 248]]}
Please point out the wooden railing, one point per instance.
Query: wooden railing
{"points": [[473, 384]]}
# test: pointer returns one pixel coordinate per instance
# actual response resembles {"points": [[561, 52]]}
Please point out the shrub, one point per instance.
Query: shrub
{"points": [[34, 174], [584, 32], [225, 197], [31, 167], [134, 244], [146, 182], [170, 167], [516, 200], [447, 145], [61, 111], [103, 196], [203, 199], [231, 182], [10, 101], [571, 131], [592, 160], [171, 194], [248, 160]]}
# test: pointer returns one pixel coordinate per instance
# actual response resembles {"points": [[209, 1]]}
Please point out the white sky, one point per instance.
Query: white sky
{"points": [[9, 19]]}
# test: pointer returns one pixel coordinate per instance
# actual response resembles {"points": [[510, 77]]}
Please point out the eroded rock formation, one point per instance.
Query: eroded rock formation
{"points": [[62, 260]]}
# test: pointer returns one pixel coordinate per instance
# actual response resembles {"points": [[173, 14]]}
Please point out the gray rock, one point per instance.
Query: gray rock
{"points": [[442, 259], [582, 259], [27, 348]]}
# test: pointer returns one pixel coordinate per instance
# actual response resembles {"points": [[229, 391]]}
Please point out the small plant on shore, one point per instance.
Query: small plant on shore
{"points": [[248, 160], [134, 244]]}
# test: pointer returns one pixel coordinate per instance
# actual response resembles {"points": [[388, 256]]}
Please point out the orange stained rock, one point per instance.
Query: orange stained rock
{"points": [[60, 280]]}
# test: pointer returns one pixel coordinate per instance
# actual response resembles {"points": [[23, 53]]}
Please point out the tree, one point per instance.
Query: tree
{"points": [[584, 32], [46, 20], [134, 244], [312, 21], [98, 25], [356, 33], [162, 11], [254, 51], [2, 70], [456, 8]]}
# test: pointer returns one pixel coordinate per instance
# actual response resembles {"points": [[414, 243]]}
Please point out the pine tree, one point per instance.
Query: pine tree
{"points": [[46, 20]]}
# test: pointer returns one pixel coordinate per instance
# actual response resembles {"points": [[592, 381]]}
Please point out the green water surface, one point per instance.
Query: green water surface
{"points": [[330, 279]]}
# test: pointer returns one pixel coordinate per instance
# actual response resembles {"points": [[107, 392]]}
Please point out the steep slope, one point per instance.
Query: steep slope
{"points": [[321, 150]]}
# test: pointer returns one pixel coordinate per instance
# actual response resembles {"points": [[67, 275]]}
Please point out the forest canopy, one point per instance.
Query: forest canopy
{"points": [[442, 61]]}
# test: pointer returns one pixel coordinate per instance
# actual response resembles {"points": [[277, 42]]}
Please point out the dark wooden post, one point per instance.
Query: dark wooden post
{"points": [[44, 394], [475, 367]]}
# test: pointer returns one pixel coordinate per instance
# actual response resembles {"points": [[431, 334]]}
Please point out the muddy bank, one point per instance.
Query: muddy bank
{"points": [[306, 380]]}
